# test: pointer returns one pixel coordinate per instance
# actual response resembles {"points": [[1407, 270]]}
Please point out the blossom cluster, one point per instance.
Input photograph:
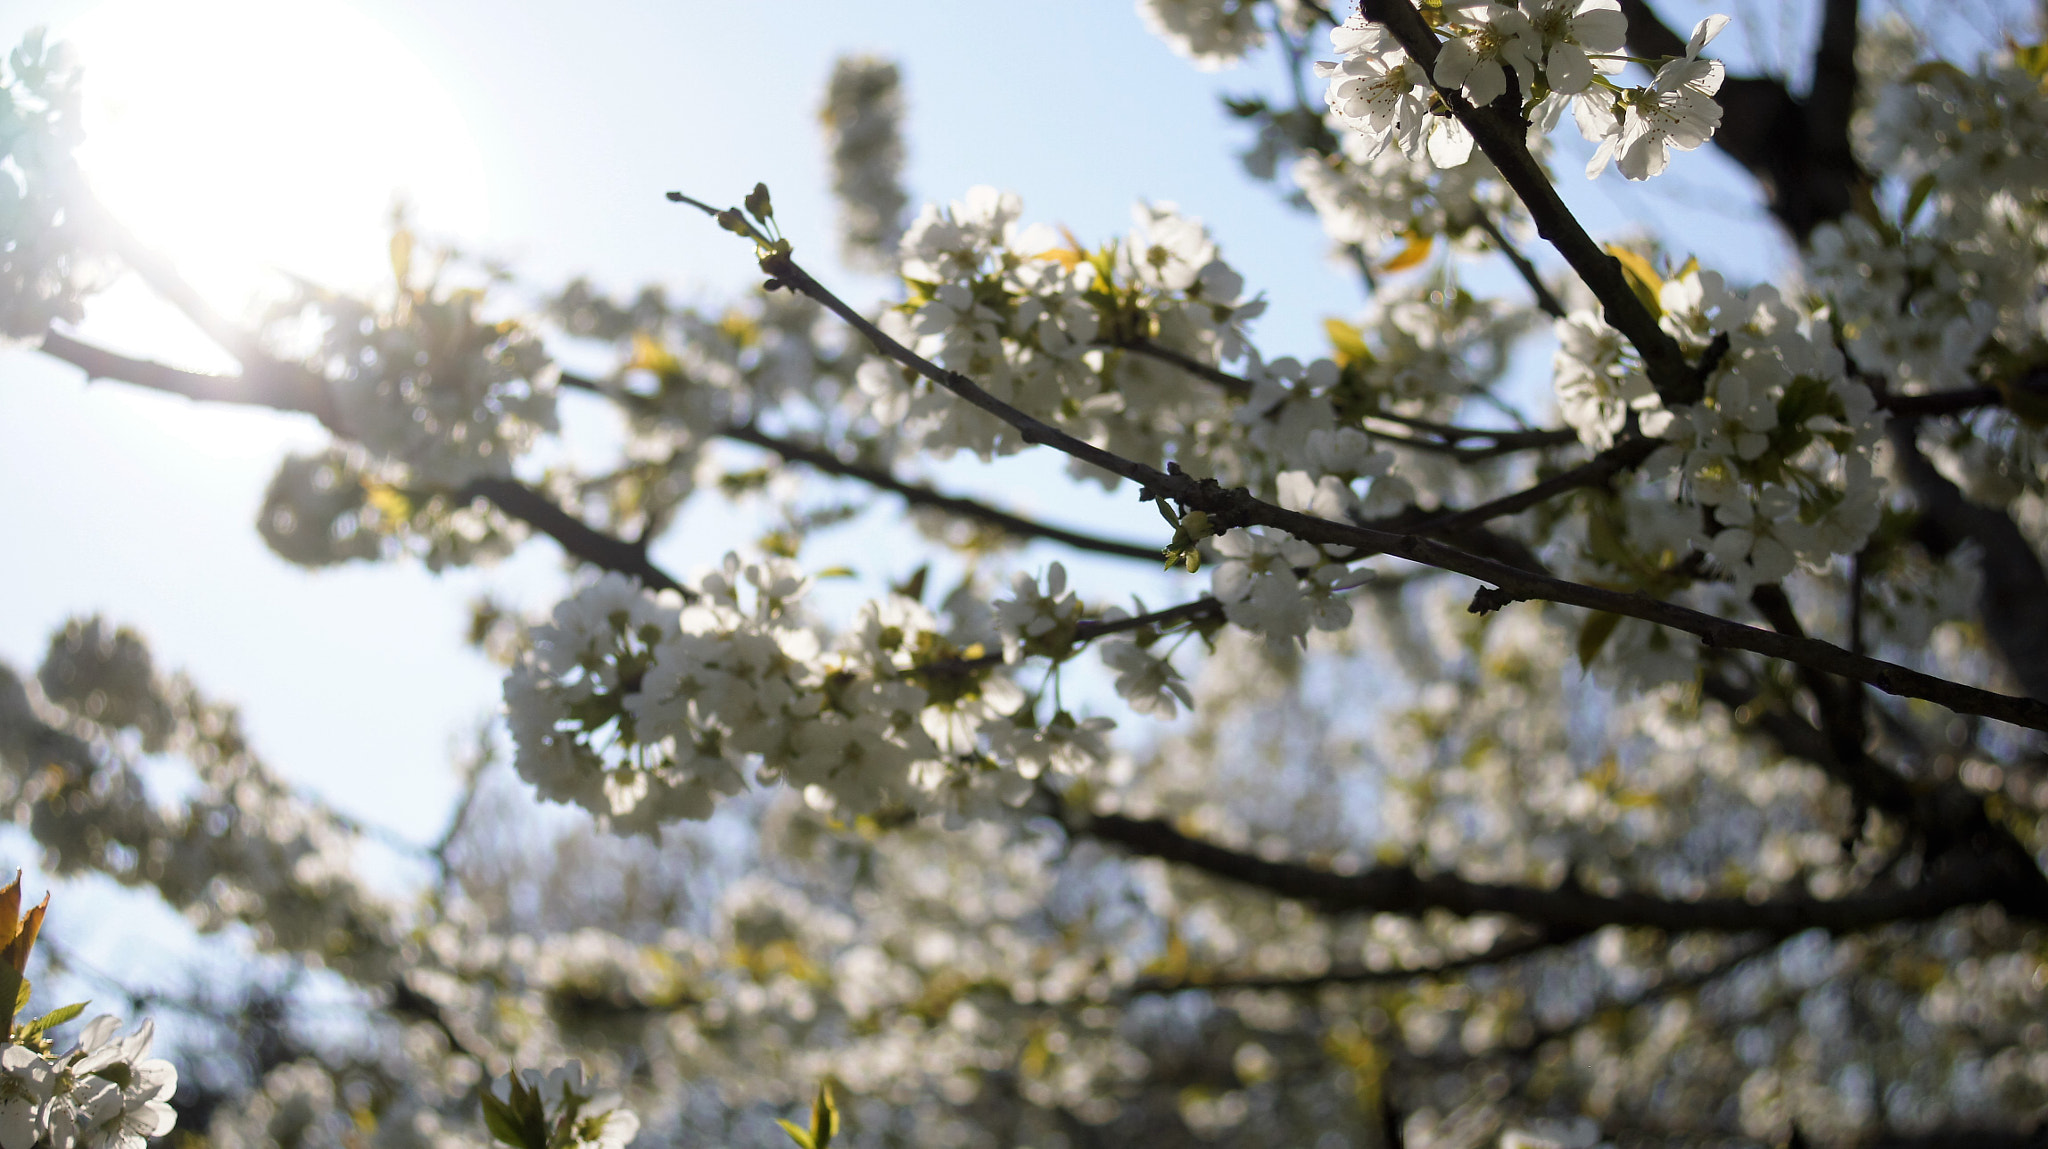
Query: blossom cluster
{"points": [[105, 1092], [1921, 296], [1212, 33], [644, 709], [1772, 468], [436, 393], [1367, 196], [862, 117], [242, 847], [1559, 53], [1779, 451], [46, 265], [1038, 325]]}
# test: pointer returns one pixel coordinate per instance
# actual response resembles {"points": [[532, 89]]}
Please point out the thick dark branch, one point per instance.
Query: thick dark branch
{"points": [[1450, 437], [1623, 456], [1234, 508], [1402, 890], [1234, 386], [1201, 608], [1941, 402], [2014, 598], [1832, 101], [305, 390], [1947, 815], [578, 538], [511, 496], [271, 384], [1503, 136], [917, 495]]}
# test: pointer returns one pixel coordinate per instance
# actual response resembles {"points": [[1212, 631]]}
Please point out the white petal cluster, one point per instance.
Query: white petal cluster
{"points": [[1779, 452], [1559, 53], [241, 847], [645, 710], [1040, 621], [1377, 91], [1147, 681], [863, 116], [1213, 34], [46, 265], [1600, 384], [1026, 313], [340, 504], [1919, 299], [436, 393], [1557, 44], [105, 1092], [1368, 196], [1638, 128], [1257, 581]]}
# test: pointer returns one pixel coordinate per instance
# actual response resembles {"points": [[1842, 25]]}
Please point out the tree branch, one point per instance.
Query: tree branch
{"points": [[1228, 508], [514, 498], [1958, 881], [823, 459], [1502, 135], [1841, 721], [917, 495], [2014, 598]]}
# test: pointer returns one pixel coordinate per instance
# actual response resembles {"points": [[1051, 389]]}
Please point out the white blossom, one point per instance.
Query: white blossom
{"points": [[862, 115]]}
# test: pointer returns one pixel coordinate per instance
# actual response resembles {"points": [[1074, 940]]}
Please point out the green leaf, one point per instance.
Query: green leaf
{"points": [[1922, 188], [52, 1019], [796, 1133], [499, 1120], [1594, 634], [824, 1118]]}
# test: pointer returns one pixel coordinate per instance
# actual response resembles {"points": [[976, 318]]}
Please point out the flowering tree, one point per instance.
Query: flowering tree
{"points": [[1771, 870]]}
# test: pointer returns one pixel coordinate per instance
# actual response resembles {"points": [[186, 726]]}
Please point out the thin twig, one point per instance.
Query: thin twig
{"points": [[1545, 298]]}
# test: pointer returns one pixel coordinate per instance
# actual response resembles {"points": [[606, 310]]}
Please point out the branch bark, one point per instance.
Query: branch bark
{"points": [[1228, 508], [2014, 598], [283, 391], [823, 459], [1955, 882], [1503, 136]]}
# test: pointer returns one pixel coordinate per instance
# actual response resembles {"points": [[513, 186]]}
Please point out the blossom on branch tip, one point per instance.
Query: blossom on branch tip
{"points": [[1638, 130]]}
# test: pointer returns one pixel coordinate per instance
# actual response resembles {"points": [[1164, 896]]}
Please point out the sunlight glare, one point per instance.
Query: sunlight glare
{"points": [[243, 138]]}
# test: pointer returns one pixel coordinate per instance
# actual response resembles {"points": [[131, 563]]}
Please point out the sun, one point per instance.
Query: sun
{"points": [[247, 138]]}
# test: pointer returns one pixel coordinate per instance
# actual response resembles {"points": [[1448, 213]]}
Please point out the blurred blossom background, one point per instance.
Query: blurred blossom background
{"points": [[259, 143]]}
